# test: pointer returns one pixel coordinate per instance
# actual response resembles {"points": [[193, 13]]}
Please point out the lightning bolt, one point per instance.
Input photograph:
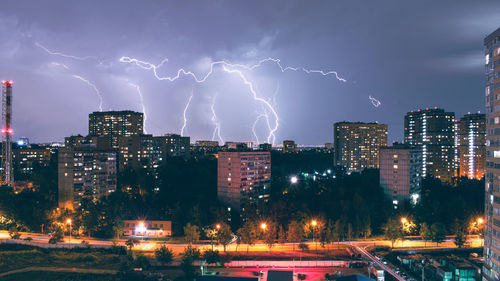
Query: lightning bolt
{"points": [[141, 97], [216, 131], [185, 111], [374, 101], [59, 65], [93, 86], [55, 53], [234, 69]]}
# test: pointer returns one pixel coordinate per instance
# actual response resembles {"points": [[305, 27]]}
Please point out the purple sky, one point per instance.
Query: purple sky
{"points": [[405, 54]]}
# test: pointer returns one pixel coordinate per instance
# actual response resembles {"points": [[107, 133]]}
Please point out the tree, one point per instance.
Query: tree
{"points": [[14, 233], [392, 230], [131, 242], [349, 232], [438, 233], [212, 234], [211, 256], [460, 238], [191, 253], [270, 235], [295, 233], [425, 232], [338, 231], [191, 234], [225, 235], [57, 236], [247, 234], [281, 235], [164, 255]]}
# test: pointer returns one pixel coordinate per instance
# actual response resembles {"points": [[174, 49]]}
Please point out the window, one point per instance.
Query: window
{"points": [[395, 166]]}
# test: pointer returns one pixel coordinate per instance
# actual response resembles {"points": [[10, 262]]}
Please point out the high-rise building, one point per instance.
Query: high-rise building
{"points": [[138, 152], [289, 146], [356, 145], [471, 136], [114, 124], [432, 131], [85, 173], [400, 173], [243, 177], [491, 268]]}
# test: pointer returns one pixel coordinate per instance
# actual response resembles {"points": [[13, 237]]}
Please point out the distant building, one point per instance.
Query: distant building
{"points": [[25, 159], [147, 228], [97, 142], [472, 146], [356, 145], [206, 146], [399, 173], [231, 145], [85, 173], [432, 131], [243, 177], [491, 262], [138, 152], [174, 145], [289, 146], [114, 124], [265, 147]]}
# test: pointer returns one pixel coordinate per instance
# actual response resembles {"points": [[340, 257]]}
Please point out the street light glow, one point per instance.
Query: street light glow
{"points": [[480, 220], [263, 226], [294, 180], [68, 221], [217, 226], [314, 222], [404, 220], [140, 228]]}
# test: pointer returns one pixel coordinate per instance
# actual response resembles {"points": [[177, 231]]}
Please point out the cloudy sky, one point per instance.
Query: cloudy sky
{"points": [[201, 61]]}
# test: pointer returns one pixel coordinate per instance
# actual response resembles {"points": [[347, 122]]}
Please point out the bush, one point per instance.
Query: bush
{"points": [[141, 262], [303, 247], [211, 256], [14, 233], [164, 255]]}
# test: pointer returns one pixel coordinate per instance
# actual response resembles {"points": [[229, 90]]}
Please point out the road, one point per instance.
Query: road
{"points": [[378, 262], [151, 245]]}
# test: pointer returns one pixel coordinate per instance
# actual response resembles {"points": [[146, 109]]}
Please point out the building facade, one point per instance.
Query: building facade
{"points": [[400, 173], [148, 228], [471, 136], [356, 145], [85, 173], [432, 131], [289, 146], [114, 124], [491, 268], [243, 177]]}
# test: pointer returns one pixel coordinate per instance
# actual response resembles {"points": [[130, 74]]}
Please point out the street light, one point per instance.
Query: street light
{"points": [[480, 220], [68, 221], [217, 226], [404, 220], [313, 224], [294, 179], [263, 226]]}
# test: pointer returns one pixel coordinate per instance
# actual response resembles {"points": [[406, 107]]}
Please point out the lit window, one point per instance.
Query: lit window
{"points": [[395, 166]]}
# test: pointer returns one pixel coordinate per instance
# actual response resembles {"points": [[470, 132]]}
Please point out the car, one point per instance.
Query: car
{"points": [[301, 276]]}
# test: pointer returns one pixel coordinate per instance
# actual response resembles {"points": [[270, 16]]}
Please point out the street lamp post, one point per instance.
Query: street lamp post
{"points": [[68, 221], [480, 221], [313, 224]]}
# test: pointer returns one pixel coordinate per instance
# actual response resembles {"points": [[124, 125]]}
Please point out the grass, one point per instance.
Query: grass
{"points": [[56, 276], [21, 258]]}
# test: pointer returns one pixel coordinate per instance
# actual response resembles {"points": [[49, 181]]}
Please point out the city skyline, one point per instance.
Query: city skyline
{"points": [[61, 75]]}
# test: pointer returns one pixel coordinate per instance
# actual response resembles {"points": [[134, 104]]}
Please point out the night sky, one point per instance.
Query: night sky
{"points": [[404, 54]]}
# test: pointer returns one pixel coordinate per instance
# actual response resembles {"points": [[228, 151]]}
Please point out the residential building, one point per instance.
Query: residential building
{"points": [[491, 269], [147, 228], [25, 159], [432, 131], [114, 124], [85, 173], [243, 177], [399, 173], [472, 146], [289, 146], [356, 145]]}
